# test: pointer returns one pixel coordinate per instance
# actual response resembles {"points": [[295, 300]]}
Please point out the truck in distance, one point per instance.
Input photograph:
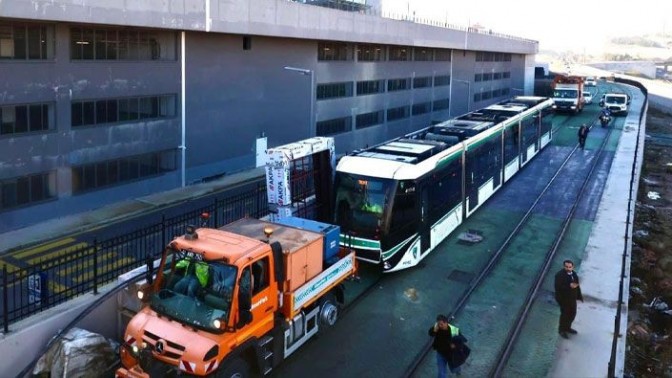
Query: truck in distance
{"points": [[234, 301], [568, 93]]}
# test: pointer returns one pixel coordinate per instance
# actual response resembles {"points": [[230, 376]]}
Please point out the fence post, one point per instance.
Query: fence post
{"points": [[95, 266], [216, 220], [5, 300], [164, 242]]}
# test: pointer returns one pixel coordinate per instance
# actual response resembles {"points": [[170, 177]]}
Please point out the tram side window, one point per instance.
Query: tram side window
{"points": [[529, 131], [546, 123], [446, 192], [511, 149], [483, 163]]}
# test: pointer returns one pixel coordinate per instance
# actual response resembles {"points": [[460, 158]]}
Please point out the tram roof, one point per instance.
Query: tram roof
{"points": [[388, 159]]}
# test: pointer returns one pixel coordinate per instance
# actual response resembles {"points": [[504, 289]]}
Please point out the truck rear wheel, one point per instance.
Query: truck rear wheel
{"points": [[238, 368], [328, 311]]}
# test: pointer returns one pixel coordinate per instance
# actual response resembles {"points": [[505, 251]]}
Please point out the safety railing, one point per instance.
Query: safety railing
{"points": [[83, 269], [611, 369]]}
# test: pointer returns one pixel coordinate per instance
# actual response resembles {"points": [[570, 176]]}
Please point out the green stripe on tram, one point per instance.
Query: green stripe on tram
{"points": [[356, 242]]}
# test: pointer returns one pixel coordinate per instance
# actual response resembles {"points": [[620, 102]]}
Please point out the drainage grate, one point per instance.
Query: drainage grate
{"points": [[460, 276]]}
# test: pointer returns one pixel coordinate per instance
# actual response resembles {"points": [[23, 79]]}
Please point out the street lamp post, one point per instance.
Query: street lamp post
{"points": [[468, 92], [311, 73]]}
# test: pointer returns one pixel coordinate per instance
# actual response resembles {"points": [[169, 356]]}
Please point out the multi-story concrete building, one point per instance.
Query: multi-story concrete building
{"points": [[107, 100]]}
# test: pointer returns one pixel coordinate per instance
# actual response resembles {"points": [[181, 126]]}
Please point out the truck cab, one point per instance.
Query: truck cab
{"points": [[234, 301], [617, 103], [568, 93]]}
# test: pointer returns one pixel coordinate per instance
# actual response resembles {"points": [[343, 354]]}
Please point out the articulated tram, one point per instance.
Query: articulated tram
{"points": [[396, 201]]}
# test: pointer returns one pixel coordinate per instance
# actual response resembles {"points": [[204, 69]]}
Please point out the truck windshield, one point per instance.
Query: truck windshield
{"points": [[565, 93], [615, 100], [361, 203], [194, 291]]}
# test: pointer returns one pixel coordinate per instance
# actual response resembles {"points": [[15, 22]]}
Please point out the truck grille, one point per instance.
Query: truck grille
{"points": [[170, 349]]}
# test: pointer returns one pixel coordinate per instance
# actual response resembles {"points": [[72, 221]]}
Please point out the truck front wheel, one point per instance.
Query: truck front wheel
{"points": [[328, 311], [238, 368]]}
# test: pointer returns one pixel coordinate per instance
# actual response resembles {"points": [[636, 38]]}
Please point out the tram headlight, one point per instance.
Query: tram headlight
{"points": [[387, 265]]}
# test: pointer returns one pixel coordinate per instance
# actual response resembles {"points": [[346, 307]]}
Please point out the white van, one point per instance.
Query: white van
{"points": [[590, 81]]}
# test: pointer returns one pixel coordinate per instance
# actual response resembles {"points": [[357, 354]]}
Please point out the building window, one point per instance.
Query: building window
{"points": [[422, 82], [400, 53], [486, 95], [27, 190], [505, 91], [370, 87], [477, 97], [121, 44], [442, 55], [506, 75], [334, 126], [398, 84], [422, 54], [479, 56], [478, 77], [370, 53], [332, 51], [26, 41], [440, 81], [487, 76], [98, 112], [441, 104], [19, 119], [118, 171], [496, 93], [334, 90], [401, 112], [496, 76], [421, 108], [369, 119], [247, 42]]}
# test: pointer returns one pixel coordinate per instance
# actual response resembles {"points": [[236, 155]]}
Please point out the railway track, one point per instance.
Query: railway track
{"points": [[519, 289]]}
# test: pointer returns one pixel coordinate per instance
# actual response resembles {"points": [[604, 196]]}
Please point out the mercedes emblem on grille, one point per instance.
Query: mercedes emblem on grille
{"points": [[159, 347]]}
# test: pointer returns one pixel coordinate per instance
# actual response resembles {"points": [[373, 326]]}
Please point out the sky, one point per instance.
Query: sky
{"points": [[557, 25]]}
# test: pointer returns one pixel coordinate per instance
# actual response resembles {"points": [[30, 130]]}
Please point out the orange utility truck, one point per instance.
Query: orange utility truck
{"points": [[234, 301], [568, 93]]}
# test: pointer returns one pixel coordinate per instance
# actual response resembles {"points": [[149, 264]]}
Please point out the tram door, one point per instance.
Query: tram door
{"points": [[424, 220]]}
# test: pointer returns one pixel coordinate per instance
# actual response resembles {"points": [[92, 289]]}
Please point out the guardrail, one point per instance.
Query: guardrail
{"points": [[611, 370]]}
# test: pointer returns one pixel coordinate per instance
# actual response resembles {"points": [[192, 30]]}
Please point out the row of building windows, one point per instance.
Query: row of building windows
{"points": [[85, 113], [364, 120], [339, 51], [492, 76], [102, 174], [19, 119], [485, 56], [486, 95], [33, 189], [345, 89], [25, 190], [27, 41], [27, 118], [23, 42], [121, 44]]}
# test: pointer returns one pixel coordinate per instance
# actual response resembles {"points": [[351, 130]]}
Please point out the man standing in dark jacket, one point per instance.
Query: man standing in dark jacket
{"points": [[567, 291], [450, 346]]}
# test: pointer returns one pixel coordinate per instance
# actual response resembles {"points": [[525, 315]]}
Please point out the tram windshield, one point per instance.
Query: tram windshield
{"points": [[362, 203]]}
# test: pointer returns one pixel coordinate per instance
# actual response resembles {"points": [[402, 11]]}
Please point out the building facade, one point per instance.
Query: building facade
{"points": [[105, 101]]}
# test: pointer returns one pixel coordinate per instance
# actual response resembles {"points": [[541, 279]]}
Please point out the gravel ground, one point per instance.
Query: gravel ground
{"points": [[649, 352]]}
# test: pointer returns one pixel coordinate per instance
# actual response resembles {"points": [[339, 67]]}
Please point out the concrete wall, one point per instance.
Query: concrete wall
{"points": [[645, 68]]}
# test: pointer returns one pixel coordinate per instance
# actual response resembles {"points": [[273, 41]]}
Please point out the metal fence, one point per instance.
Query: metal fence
{"points": [[77, 271]]}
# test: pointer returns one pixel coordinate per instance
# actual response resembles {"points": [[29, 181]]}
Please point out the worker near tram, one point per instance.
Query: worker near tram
{"points": [[450, 346], [583, 134], [567, 292], [194, 273]]}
